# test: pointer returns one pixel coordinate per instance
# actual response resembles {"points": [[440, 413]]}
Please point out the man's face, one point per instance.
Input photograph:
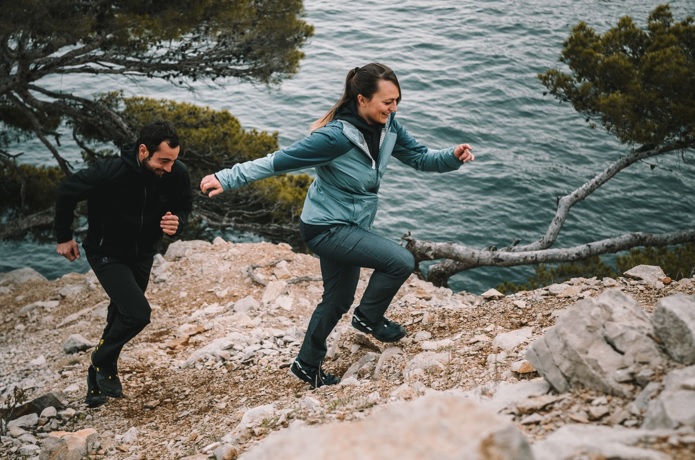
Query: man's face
{"points": [[162, 161]]}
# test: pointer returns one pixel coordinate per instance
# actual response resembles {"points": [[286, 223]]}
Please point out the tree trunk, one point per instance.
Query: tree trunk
{"points": [[18, 227]]}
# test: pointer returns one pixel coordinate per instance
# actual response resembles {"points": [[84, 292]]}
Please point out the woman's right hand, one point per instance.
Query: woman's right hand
{"points": [[210, 186], [464, 153]]}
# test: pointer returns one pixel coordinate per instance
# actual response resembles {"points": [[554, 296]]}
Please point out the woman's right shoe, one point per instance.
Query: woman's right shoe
{"points": [[313, 375], [383, 330], [94, 397]]}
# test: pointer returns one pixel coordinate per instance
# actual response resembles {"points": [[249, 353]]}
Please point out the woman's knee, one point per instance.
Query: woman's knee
{"points": [[404, 264]]}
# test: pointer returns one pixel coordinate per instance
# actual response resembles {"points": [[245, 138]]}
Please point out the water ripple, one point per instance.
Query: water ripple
{"points": [[468, 72]]}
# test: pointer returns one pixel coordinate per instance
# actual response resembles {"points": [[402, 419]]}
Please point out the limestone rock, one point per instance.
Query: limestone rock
{"points": [[598, 344], [76, 343], [675, 406], [65, 445], [436, 425], [650, 274], [21, 276], [674, 324]]}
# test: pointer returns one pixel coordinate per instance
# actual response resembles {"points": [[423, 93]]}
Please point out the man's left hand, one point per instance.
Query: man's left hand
{"points": [[169, 223]]}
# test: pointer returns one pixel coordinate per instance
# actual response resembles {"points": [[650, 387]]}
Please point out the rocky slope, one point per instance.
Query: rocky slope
{"points": [[209, 378]]}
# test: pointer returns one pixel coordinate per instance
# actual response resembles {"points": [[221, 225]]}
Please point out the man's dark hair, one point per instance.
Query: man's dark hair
{"points": [[155, 133]]}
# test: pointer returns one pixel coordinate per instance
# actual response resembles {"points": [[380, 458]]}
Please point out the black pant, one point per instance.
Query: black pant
{"points": [[129, 312]]}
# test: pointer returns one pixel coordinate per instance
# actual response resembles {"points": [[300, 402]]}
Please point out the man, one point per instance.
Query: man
{"points": [[132, 200]]}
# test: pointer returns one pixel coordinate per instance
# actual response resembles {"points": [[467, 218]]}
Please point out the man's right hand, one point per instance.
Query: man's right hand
{"points": [[69, 250]]}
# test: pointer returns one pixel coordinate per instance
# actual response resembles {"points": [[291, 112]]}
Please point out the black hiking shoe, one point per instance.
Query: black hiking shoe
{"points": [[108, 383], [94, 397], [313, 375], [383, 330]]}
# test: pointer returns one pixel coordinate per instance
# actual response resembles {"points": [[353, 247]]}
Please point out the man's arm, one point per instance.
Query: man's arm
{"points": [[73, 189]]}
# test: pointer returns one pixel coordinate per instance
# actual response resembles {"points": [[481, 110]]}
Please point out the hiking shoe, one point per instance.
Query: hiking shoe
{"points": [[313, 375], [94, 397], [108, 383], [383, 330]]}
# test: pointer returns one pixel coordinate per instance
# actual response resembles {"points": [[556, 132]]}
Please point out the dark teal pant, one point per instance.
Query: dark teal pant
{"points": [[343, 250]]}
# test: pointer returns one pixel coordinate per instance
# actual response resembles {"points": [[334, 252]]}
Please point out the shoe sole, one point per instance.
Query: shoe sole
{"points": [[95, 401]]}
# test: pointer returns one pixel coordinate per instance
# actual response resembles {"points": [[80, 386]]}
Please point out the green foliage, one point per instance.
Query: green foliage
{"points": [[558, 273], [287, 193], [26, 189], [7, 409], [639, 83], [211, 139], [214, 139], [677, 262]]}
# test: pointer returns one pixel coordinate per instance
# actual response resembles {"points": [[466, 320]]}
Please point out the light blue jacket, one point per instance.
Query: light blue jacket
{"points": [[347, 179]]}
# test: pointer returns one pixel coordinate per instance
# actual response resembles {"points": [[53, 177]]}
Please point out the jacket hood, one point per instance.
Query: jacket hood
{"points": [[129, 156]]}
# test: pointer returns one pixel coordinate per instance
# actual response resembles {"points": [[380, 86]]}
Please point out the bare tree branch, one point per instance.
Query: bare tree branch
{"points": [[40, 133], [427, 250], [19, 227], [565, 203]]}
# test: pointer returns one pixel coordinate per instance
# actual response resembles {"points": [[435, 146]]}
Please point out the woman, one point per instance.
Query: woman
{"points": [[349, 147]]}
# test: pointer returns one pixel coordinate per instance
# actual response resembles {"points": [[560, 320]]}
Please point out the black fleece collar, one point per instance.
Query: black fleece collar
{"points": [[372, 133]]}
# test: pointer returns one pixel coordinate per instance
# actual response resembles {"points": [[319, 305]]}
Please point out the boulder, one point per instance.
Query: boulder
{"points": [[674, 324], [600, 344], [437, 425]]}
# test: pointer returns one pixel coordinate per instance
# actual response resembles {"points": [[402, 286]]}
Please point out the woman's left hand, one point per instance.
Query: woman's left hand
{"points": [[464, 153]]}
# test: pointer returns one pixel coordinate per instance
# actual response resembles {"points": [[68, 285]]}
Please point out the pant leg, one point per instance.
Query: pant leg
{"points": [[343, 250], [129, 312], [339, 285]]}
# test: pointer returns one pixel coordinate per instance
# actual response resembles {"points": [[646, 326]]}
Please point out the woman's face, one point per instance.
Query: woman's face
{"points": [[377, 109]]}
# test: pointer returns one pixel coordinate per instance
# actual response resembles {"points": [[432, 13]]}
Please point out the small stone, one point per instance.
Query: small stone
{"points": [[579, 417], [531, 419], [49, 412], [598, 412], [152, 404], [523, 367], [492, 294]]}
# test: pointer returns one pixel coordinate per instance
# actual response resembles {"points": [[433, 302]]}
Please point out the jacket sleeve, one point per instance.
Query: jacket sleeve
{"points": [[183, 204], [418, 156], [320, 147], [73, 189]]}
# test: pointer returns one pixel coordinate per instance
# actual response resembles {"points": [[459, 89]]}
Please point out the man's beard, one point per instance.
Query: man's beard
{"points": [[157, 172]]}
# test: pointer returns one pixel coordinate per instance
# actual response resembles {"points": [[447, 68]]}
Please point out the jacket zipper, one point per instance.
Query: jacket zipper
{"points": [[142, 219], [369, 155]]}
